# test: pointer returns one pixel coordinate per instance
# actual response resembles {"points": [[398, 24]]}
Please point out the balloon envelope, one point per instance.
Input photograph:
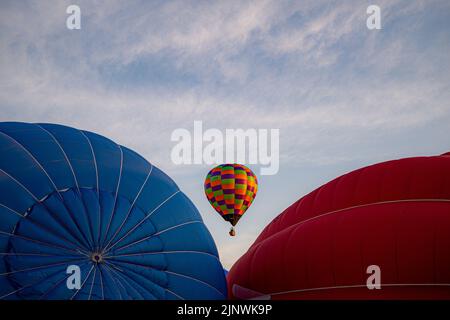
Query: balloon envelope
{"points": [[74, 198], [393, 215], [231, 189]]}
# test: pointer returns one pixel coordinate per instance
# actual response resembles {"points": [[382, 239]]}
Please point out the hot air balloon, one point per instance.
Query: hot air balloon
{"points": [[391, 220], [72, 198], [231, 189]]}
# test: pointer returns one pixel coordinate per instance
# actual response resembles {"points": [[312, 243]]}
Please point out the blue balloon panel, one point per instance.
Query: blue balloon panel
{"points": [[74, 198]]}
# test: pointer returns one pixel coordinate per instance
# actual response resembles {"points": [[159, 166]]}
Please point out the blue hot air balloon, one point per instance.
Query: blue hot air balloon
{"points": [[72, 200]]}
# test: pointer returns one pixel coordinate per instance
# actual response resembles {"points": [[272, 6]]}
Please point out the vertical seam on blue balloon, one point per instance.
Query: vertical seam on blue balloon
{"points": [[40, 267], [88, 242], [117, 284], [29, 285], [88, 220], [142, 221], [137, 288], [50, 245], [164, 252], [195, 279], [121, 262], [77, 244], [101, 282], [96, 181], [125, 281], [12, 210], [114, 279], [112, 265], [130, 209], [32, 196], [174, 273], [93, 158], [124, 265], [175, 294], [137, 275], [57, 284], [29, 254], [77, 247], [75, 180], [97, 184], [21, 185], [158, 233], [33, 158], [64, 154], [93, 281], [115, 196], [82, 285]]}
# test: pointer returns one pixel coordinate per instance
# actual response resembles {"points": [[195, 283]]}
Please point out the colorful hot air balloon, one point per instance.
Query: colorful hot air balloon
{"points": [[231, 189], [71, 197]]}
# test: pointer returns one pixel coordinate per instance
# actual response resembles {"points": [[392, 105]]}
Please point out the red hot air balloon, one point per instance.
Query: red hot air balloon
{"points": [[393, 217], [231, 189]]}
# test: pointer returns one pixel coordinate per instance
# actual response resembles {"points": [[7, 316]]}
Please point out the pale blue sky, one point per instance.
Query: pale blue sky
{"points": [[342, 96]]}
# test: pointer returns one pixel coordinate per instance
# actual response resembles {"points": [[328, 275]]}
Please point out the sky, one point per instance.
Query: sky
{"points": [[342, 96]]}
